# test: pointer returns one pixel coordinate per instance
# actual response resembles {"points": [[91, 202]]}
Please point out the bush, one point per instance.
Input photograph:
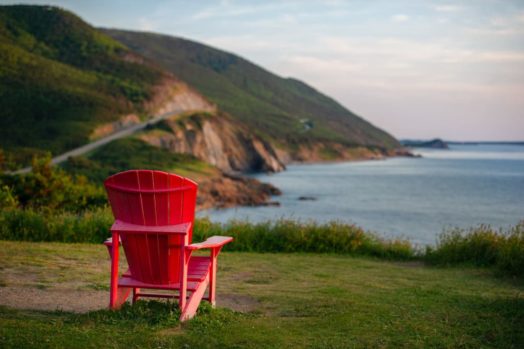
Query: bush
{"points": [[34, 225], [49, 188], [7, 199], [511, 252], [482, 246]]}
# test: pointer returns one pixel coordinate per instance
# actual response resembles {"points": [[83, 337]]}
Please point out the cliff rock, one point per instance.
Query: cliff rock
{"points": [[217, 140]]}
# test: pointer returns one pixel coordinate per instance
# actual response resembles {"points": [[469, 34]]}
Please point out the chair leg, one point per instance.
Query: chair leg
{"points": [[122, 296], [193, 301], [213, 277], [182, 297], [117, 295], [136, 294]]}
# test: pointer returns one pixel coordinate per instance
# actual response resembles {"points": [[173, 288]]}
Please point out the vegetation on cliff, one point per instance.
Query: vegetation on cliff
{"points": [[60, 78], [132, 153]]}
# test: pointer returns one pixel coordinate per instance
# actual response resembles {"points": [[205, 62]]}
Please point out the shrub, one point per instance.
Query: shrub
{"points": [[511, 252], [482, 246], [49, 188], [7, 199], [34, 225]]}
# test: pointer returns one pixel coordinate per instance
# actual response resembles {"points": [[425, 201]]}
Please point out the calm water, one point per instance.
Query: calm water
{"points": [[412, 198]]}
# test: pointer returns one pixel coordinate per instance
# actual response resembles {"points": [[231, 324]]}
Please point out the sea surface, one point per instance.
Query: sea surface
{"points": [[413, 198]]}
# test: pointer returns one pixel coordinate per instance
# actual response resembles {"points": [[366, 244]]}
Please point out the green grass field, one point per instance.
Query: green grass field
{"points": [[287, 300]]}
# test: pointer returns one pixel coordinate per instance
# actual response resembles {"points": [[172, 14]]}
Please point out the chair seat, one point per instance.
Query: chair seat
{"points": [[197, 272], [198, 268]]}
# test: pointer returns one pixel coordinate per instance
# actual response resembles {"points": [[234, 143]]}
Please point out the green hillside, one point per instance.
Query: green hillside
{"points": [[60, 78], [282, 109]]}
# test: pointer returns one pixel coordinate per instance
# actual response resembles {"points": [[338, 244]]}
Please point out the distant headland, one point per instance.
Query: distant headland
{"points": [[436, 143]]}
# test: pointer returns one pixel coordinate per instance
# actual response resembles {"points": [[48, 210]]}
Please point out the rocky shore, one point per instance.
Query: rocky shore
{"points": [[232, 190], [227, 190]]}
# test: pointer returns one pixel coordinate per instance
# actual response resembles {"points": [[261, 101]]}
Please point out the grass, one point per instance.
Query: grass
{"points": [[279, 236], [482, 246], [296, 236], [297, 300], [37, 225]]}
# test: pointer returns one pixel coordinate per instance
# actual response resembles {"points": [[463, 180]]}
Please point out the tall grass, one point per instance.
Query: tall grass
{"points": [[483, 246], [90, 226], [296, 236]]}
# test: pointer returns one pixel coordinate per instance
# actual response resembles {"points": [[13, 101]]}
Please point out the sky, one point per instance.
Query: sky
{"points": [[418, 69]]}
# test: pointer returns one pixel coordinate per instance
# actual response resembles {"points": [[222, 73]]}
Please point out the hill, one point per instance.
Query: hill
{"points": [[60, 78], [286, 111], [65, 83], [436, 143]]}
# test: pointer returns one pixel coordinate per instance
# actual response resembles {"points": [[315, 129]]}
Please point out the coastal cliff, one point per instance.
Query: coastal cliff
{"points": [[216, 140]]}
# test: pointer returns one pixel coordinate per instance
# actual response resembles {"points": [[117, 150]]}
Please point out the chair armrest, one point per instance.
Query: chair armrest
{"points": [[212, 242], [120, 226]]}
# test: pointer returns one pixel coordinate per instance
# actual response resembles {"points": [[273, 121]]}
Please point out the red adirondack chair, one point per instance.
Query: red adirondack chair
{"points": [[154, 213]]}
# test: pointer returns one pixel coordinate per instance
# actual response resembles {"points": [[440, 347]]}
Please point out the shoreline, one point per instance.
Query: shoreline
{"points": [[242, 190]]}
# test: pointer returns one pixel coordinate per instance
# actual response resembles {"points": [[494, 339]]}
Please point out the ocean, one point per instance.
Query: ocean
{"points": [[413, 198]]}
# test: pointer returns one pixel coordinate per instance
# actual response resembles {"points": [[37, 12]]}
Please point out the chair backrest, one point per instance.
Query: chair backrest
{"points": [[152, 198]]}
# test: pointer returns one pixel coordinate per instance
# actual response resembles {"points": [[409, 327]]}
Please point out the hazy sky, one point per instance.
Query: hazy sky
{"points": [[418, 69]]}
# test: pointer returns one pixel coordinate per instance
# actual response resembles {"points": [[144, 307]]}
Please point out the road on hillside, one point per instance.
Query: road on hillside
{"points": [[100, 142]]}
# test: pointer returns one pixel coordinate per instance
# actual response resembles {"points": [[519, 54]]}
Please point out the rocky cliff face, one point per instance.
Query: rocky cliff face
{"points": [[217, 140]]}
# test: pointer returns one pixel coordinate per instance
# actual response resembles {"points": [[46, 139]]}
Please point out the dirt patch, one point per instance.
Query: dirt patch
{"points": [[242, 276], [412, 264], [238, 302], [78, 301], [81, 301]]}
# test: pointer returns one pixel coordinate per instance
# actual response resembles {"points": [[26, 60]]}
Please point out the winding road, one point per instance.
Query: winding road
{"points": [[100, 142]]}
